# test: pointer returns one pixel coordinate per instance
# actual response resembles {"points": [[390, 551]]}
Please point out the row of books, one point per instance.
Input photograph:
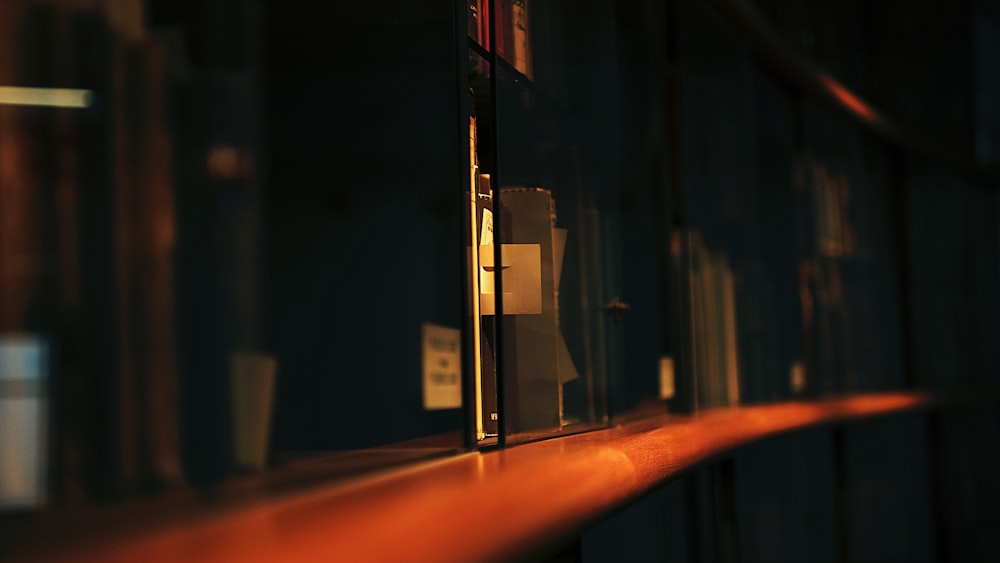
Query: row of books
{"points": [[829, 240], [86, 323], [111, 345], [847, 333], [513, 30]]}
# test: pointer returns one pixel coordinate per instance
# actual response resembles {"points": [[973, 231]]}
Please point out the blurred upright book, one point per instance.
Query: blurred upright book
{"points": [[713, 326], [833, 256]]}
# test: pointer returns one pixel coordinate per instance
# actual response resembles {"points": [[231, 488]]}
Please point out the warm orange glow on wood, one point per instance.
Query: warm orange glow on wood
{"points": [[853, 103], [490, 506]]}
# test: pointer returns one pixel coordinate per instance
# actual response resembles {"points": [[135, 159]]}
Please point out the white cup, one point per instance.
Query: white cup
{"points": [[252, 378], [23, 421]]}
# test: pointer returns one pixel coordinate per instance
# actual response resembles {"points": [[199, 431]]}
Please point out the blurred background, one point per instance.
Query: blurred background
{"points": [[758, 201]]}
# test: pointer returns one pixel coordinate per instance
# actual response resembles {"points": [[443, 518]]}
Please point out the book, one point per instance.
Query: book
{"points": [[511, 20], [713, 326], [519, 51], [831, 196]]}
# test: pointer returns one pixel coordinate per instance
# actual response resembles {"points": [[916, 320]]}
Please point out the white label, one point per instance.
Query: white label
{"points": [[667, 389], [797, 377], [442, 367]]}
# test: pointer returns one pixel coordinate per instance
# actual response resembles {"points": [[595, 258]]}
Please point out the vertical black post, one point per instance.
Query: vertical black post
{"points": [[463, 104], [937, 464], [693, 514], [898, 202], [685, 384], [496, 180], [842, 492], [801, 197], [724, 494]]}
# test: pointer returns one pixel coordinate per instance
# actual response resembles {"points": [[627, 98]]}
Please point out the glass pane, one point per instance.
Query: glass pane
{"points": [[364, 243], [553, 212]]}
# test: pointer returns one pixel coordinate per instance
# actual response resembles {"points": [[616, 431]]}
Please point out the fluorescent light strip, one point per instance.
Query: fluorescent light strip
{"points": [[45, 97]]}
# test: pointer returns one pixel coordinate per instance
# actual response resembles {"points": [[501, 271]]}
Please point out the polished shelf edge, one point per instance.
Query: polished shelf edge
{"points": [[807, 76], [492, 506]]}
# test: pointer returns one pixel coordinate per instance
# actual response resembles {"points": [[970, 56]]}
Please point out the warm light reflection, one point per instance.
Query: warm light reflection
{"points": [[426, 506], [846, 97], [868, 405], [45, 97], [228, 163]]}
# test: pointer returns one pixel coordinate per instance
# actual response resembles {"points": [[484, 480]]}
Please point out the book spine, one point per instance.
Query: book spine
{"points": [[520, 37], [483, 12], [473, 19], [501, 12], [156, 275], [731, 350]]}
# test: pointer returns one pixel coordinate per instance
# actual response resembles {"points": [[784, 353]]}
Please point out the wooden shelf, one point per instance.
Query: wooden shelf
{"points": [[804, 75], [487, 506]]}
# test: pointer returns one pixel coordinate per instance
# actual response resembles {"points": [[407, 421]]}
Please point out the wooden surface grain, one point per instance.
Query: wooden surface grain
{"points": [[489, 506]]}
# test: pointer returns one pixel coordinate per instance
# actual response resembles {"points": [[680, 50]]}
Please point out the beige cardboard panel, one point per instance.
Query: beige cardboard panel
{"points": [[522, 279], [532, 349]]}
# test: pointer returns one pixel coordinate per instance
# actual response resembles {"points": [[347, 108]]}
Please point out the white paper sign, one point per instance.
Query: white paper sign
{"points": [[442, 358]]}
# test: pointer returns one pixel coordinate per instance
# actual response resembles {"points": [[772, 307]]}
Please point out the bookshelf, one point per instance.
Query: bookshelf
{"points": [[477, 250], [428, 505], [536, 130]]}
